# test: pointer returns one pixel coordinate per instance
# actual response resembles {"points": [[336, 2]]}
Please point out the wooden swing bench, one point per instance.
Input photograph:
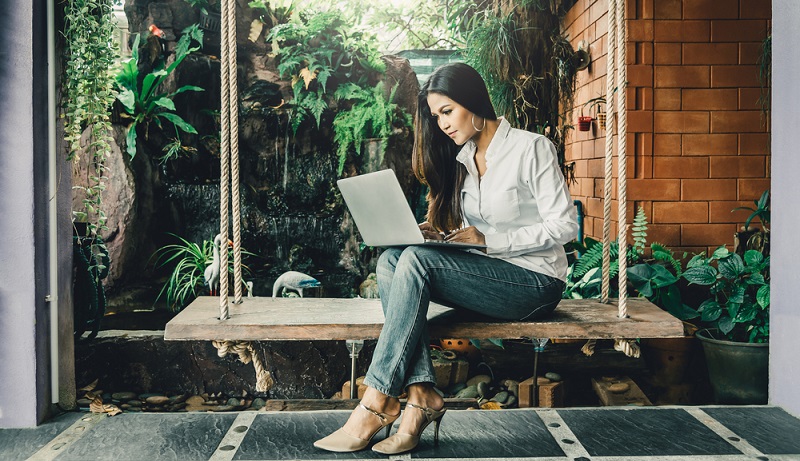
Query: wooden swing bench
{"points": [[297, 319]]}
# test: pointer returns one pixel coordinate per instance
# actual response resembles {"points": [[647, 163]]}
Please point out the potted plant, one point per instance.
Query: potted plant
{"points": [[210, 16], [736, 317]]}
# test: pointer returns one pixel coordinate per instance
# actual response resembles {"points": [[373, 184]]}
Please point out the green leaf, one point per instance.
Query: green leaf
{"points": [[701, 275], [720, 252], [725, 325], [178, 122], [710, 310], [753, 257], [496, 342], [128, 99], [130, 140], [187, 88], [697, 260], [165, 103], [731, 266], [762, 296]]}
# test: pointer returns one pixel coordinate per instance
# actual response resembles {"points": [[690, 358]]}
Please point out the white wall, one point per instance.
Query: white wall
{"points": [[785, 247]]}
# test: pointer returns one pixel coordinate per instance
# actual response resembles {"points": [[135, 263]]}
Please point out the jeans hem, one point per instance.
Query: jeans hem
{"points": [[422, 379], [385, 391]]}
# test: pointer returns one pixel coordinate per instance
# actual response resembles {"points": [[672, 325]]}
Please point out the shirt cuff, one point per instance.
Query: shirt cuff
{"points": [[496, 243]]}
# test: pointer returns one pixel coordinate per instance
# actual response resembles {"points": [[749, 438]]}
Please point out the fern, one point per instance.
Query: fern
{"points": [[594, 258], [639, 232], [662, 253]]}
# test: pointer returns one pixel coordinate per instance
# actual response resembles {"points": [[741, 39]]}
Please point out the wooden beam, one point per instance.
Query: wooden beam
{"points": [[265, 319]]}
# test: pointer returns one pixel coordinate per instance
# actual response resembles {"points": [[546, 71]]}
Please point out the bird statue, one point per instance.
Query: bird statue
{"points": [[294, 280], [211, 274]]}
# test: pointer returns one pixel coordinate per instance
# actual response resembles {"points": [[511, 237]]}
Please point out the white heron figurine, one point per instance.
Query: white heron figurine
{"points": [[211, 274], [294, 280]]}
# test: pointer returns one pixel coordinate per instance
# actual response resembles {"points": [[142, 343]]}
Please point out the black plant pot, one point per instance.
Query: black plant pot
{"points": [[739, 372], [210, 21]]}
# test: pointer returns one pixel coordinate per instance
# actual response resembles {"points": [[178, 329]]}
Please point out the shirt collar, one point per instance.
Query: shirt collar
{"points": [[467, 153]]}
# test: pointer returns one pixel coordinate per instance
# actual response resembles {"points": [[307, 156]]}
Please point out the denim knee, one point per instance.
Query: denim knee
{"points": [[388, 259]]}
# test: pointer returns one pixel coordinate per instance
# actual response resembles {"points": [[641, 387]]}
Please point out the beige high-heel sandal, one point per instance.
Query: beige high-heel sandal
{"points": [[341, 441], [399, 443]]}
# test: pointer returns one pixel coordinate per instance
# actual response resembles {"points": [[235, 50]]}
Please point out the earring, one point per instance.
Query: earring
{"points": [[473, 123]]}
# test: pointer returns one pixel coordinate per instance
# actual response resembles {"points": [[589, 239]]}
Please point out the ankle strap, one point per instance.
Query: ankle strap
{"points": [[428, 411], [381, 416]]}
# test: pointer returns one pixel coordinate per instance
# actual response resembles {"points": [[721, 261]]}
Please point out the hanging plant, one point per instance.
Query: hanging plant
{"points": [[88, 90]]}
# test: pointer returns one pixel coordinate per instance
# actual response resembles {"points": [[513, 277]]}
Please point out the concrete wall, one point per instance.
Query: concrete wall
{"points": [[785, 313], [24, 378]]}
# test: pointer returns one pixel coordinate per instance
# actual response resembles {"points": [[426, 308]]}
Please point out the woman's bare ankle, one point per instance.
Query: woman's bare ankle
{"points": [[380, 402], [425, 395]]}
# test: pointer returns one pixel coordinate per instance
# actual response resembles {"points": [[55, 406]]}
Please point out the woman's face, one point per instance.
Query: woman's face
{"points": [[453, 118]]}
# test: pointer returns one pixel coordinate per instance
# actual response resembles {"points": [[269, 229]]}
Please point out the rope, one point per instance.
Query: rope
{"points": [[606, 265], [628, 346], [588, 348], [224, 156], [233, 113], [622, 164], [247, 353]]}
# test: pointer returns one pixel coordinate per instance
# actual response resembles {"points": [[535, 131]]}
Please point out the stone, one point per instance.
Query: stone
{"points": [[619, 388], [479, 379], [369, 287], [157, 400], [195, 400], [552, 376], [234, 402], [512, 386], [124, 396], [124, 406], [469, 392], [482, 388], [258, 403], [135, 403], [456, 388], [501, 397]]}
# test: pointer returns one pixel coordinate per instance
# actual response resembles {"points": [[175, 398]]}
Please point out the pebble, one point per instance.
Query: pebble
{"points": [[135, 403], [124, 406], [84, 402], [512, 400], [134, 409], [469, 392], [479, 379], [553, 376], [157, 400], [195, 400], [619, 388], [512, 386], [222, 407], [145, 396], [456, 388], [123, 396], [501, 397], [482, 388], [180, 398], [258, 403], [234, 402]]}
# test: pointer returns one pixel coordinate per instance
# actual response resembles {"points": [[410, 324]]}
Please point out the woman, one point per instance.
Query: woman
{"points": [[489, 184]]}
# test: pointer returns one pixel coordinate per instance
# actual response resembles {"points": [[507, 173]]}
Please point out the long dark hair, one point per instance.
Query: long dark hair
{"points": [[434, 162]]}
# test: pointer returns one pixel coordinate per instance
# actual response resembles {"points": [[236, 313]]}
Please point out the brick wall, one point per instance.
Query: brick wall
{"points": [[697, 143]]}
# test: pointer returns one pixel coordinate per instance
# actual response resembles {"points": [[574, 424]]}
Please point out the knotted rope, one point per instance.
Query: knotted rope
{"points": [[606, 265], [247, 353], [622, 162], [225, 150]]}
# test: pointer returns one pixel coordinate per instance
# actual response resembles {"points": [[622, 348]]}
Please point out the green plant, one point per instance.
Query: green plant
{"points": [[315, 48], [739, 300], [761, 211], [188, 261], [175, 149], [369, 116], [88, 94], [139, 97]]}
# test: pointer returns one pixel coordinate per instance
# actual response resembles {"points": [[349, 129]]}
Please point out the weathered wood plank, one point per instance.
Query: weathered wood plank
{"points": [[263, 319]]}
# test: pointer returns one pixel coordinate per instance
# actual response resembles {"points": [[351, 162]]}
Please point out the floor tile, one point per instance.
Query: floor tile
{"points": [[19, 444], [759, 427]]}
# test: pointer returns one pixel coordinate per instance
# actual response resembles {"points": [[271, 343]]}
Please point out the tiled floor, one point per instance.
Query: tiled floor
{"points": [[601, 434]]}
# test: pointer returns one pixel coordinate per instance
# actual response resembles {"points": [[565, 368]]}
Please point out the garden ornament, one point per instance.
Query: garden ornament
{"points": [[294, 280], [211, 274]]}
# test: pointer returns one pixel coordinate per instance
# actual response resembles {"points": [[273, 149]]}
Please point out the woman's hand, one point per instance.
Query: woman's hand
{"points": [[429, 233], [467, 235]]}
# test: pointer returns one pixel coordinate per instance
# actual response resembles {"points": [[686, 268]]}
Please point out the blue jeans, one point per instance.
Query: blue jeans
{"points": [[409, 278]]}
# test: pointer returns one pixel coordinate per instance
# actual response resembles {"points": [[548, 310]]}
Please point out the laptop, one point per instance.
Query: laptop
{"points": [[382, 214]]}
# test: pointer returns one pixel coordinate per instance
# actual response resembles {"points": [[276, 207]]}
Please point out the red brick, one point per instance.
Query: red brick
{"points": [[710, 9], [644, 53], [754, 144], [680, 212], [654, 189], [751, 189], [680, 167], [749, 98], [666, 144], [640, 75], [647, 9], [680, 122], [597, 9], [718, 99], [598, 67], [736, 122], [643, 98], [709, 144], [640, 121], [707, 234], [682, 76], [667, 9], [734, 76], [594, 207], [667, 53], [738, 30], [710, 53], [640, 30], [665, 234], [708, 189], [738, 167], [632, 53], [750, 52], [722, 211], [601, 26], [667, 99], [681, 31], [596, 168], [755, 9]]}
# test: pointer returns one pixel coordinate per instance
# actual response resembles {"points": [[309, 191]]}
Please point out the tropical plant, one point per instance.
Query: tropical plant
{"points": [[738, 306], [370, 116], [315, 48], [88, 94], [139, 97], [761, 211], [188, 261]]}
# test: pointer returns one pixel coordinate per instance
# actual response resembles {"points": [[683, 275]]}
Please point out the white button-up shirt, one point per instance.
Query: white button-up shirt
{"points": [[521, 204]]}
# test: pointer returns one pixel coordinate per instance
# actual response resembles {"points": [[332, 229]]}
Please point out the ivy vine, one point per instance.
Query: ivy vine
{"points": [[88, 93]]}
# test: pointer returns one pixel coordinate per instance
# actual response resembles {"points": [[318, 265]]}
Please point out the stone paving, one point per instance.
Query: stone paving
{"points": [[601, 434]]}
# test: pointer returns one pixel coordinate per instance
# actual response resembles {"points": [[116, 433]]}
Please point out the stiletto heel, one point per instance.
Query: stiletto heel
{"points": [[342, 442], [388, 430], [399, 443]]}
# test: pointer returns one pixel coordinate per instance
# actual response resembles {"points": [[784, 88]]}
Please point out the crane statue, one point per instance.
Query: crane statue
{"points": [[211, 274], [294, 280]]}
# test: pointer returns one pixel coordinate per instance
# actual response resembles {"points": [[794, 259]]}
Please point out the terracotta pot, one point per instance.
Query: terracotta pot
{"points": [[584, 123]]}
